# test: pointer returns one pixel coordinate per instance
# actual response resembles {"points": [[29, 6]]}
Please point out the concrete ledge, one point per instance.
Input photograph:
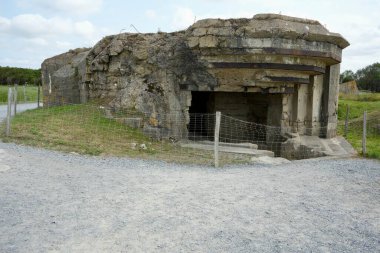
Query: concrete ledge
{"points": [[237, 145], [229, 149]]}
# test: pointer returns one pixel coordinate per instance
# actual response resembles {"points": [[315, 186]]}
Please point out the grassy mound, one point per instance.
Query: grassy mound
{"points": [[84, 129]]}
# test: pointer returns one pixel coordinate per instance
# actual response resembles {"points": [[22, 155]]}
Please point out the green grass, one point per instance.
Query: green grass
{"points": [[31, 93], [369, 102], [84, 129], [354, 136]]}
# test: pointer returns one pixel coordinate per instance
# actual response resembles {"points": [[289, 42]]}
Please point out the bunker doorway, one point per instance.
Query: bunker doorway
{"points": [[202, 116], [246, 115]]}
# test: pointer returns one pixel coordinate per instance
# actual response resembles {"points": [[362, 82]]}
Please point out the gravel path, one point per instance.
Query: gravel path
{"points": [[50, 201]]}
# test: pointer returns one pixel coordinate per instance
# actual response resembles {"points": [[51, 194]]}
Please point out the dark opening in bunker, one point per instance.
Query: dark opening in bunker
{"points": [[244, 115], [201, 116]]}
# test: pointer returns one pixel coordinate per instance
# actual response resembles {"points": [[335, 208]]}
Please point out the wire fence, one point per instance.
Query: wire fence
{"points": [[23, 93], [362, 129], [176, 137]]}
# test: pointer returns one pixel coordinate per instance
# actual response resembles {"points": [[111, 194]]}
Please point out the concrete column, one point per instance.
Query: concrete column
{"points": [[317, 100], [286, 117], [330, 101], [317, 103], [300, 108], [309, 107], [314, 98]]}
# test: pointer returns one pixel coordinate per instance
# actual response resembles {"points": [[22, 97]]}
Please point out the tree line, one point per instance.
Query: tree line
{"points": [[12, 75], [367, 78]]}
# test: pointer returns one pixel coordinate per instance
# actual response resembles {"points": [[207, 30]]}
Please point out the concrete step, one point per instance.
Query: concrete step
{"points": [[228, 144], [229, 149], [337, 146]]}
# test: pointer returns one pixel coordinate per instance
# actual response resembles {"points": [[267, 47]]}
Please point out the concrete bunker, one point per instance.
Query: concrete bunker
{"points": [[279, 74]]}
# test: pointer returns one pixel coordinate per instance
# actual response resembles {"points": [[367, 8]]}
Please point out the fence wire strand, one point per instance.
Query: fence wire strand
{"points": [[178, 136]]}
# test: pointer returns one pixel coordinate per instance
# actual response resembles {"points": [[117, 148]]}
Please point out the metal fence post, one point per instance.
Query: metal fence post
{"points": [[346, 121], [9, 111], [364, 140], [216, 139], [15, 99]]}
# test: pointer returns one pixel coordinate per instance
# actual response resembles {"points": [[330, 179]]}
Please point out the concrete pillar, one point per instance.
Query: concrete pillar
{"points": [[314, 98], [300, 108], [287, 113], [330, 101], [309, 106], [317, 104]]}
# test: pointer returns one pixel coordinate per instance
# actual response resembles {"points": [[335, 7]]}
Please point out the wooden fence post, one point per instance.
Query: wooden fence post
{"points": [[25, 98], [216, 139], [9, 111], [364, 140], [15, 99], [346, 121], [38, 95]]}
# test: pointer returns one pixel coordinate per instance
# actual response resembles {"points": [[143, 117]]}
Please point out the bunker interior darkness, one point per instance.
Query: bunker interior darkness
{"points": [[244, 108]]}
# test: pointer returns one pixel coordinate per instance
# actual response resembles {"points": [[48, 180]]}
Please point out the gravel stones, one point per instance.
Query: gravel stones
{"points": [[52, 201]]}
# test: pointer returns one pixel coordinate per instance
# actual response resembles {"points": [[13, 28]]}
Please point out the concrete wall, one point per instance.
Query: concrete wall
{"points": [[330, 96], [63, 78], [250, 107]]}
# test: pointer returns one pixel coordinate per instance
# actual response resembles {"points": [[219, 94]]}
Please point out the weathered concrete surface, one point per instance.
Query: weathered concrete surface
{"points": [[302, 147], [237, 149], [259, 27], [284, 61], [63, 78], [239, 145], [329, 115]]}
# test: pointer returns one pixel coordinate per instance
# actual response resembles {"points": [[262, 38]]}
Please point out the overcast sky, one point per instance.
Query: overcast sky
{"points": [[32, 30]]}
